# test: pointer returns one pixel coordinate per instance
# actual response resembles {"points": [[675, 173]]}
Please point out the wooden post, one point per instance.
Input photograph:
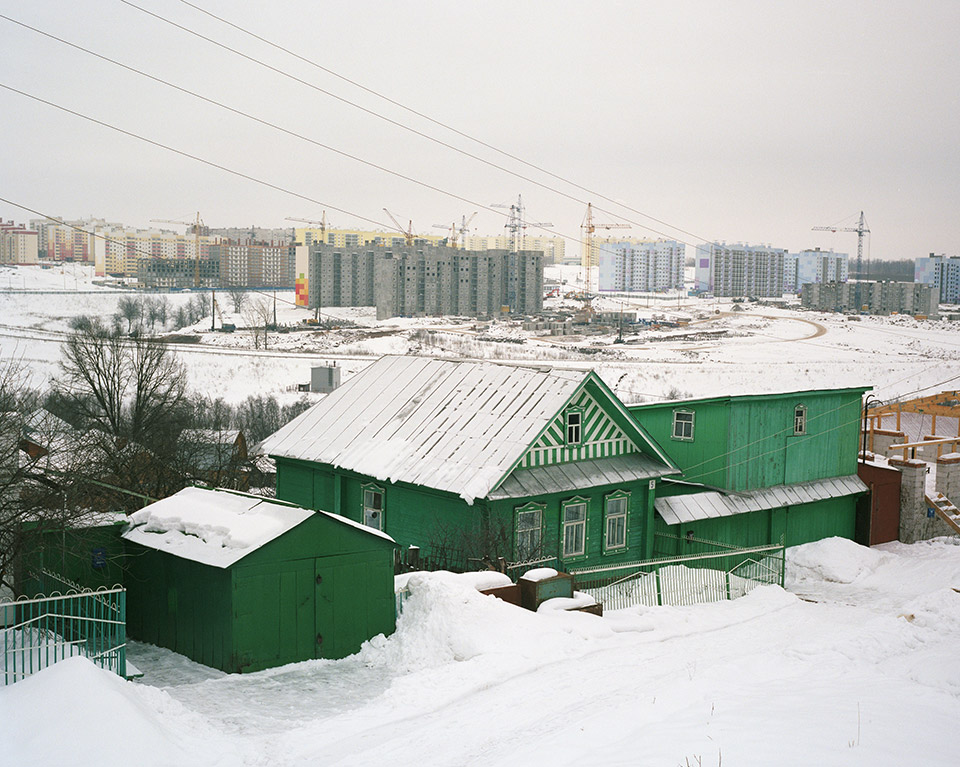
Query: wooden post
{"points": [[899, 410], [933, 424]]}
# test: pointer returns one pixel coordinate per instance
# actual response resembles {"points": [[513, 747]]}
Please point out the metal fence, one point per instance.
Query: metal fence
{"points": [[38, 632], [683, 580]]}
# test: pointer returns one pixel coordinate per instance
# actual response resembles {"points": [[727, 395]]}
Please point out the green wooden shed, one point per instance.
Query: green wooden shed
{"points": [[242, 583]]}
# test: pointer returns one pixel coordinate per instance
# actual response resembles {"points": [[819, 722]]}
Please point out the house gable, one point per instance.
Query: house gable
{"points": [[600, 436]]}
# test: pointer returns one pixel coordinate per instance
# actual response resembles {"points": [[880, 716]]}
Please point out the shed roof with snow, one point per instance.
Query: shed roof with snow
{"points": [[457, 426]]}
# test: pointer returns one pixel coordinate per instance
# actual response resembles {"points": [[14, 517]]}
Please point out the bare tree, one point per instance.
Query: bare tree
{"points": [[239, 298], [256, 314]]}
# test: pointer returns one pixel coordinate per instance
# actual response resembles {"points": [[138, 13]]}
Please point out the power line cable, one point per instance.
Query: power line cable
{"points": [[433, 120], [280, 128], [400, 125]]}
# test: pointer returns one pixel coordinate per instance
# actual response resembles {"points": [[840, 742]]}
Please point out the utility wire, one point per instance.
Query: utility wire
{"points": [[398, 124], [436, 122], [280, 128]]}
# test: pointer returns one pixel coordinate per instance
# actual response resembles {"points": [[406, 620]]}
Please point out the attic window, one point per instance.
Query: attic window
{"points": [[373, 506], [800, 419], [574, 426], [683, 424]]}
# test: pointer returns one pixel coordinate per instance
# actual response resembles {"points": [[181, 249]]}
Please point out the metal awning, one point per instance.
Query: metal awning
{"points": [[680, 509], [581, 475]]}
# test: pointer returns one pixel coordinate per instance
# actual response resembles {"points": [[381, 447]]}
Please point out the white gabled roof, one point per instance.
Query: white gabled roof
{"points": [[449, 425], [213, 527]]}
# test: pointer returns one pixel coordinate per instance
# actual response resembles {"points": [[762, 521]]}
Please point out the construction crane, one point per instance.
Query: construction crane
{"points": [[195, 225], [588, 227], [408, 233], [458, 234], [860, 229], [517, 224], [322, 223]]}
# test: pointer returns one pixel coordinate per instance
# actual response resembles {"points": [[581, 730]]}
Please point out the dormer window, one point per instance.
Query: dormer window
{"points": [[574, 426]]}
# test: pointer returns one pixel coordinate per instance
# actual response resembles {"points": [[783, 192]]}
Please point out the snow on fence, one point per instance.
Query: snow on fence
{"points": [[38, 632], [683, 580]]}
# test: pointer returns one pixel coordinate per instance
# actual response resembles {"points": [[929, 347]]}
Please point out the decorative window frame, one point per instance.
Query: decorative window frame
{"points": [[691, 423], [616, 496], [799, 419], [369, 487], [564, 525], [523, 556], [578, 412]]}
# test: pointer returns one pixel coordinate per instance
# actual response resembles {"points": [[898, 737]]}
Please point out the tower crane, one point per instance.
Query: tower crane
{"points": [[322, 223], [517, 224], [860, 229], [588, 227], [458, 234], [195, 225], [408, 233]]}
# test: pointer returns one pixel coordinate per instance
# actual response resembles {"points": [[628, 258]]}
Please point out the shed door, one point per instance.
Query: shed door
{"points": [[344, 589]]}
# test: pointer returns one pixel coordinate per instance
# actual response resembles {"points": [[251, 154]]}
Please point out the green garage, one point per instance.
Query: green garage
{"points": [[242, 583]]}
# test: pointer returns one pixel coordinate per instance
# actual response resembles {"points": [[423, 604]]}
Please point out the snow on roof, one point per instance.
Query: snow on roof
{"points": [[457, 426], [212, 527]]}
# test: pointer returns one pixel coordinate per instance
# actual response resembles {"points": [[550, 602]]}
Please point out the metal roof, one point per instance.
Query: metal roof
{"points": [[457, 426], [582, 475], [680, 509]]}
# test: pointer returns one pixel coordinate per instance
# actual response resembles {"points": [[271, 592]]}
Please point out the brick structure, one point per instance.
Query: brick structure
{"points": [[948, 476]]}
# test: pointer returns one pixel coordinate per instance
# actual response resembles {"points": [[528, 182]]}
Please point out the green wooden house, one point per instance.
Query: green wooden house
{"points": [[757, 468], [469, 459], [243, 583]]}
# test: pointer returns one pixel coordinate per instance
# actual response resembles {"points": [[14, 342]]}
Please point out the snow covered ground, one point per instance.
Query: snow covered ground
{"points": [[761, 349], [854, 664]]}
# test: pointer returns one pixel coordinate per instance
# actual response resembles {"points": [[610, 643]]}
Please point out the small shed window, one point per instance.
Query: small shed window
{"points": [[800, 419], [683, 424], [574, 528], [615, 521], [529, 537], [574, 423], [373, 506]]}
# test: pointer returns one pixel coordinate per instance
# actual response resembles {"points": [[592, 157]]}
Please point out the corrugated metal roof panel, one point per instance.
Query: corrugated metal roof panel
{"points": [[454, 426], [680, 509], [582, 475]]}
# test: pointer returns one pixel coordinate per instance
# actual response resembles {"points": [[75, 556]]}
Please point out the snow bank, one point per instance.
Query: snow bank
{"points": [[76, 713], [539, 574], [577, 601], [833, 559]]}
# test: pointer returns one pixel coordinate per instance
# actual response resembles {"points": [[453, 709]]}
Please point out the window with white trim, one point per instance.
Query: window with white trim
{"points": [[529, 532], [574, 426], [615, 508], [373, 506], [574, 528], [683, 424], [800, 419]]}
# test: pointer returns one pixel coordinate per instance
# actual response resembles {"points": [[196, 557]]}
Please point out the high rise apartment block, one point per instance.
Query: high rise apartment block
{"points": [[18, 244], [941, 272], [814, 265], [255, 264], [637, 265], [421, 279], [754, 271]]}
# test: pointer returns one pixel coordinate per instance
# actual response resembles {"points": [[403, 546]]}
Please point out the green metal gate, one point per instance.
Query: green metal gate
{"points": [[38, 632]]}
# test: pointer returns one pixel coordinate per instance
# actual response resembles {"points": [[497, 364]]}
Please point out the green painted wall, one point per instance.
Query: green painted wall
{"points": [[90, 556], [797, 524], [746, 443]]}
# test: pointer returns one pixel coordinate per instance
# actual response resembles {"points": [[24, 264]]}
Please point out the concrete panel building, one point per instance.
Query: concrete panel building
{"points": [[754, 271], [255, 264], [423, 279], [877, 297], [177, 272], [638, 265], [18, 244], [814, 265], [941, 272]]}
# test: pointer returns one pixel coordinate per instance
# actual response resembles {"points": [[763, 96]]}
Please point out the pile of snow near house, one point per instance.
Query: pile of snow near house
{"points": [[854, 664]]}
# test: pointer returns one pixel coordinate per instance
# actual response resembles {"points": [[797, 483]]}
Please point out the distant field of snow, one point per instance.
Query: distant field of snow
{"points": [[759, 349], [853, 664]]}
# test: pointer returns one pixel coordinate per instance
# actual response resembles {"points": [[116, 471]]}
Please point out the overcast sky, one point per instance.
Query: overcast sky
{"points": [[738, 121]]}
